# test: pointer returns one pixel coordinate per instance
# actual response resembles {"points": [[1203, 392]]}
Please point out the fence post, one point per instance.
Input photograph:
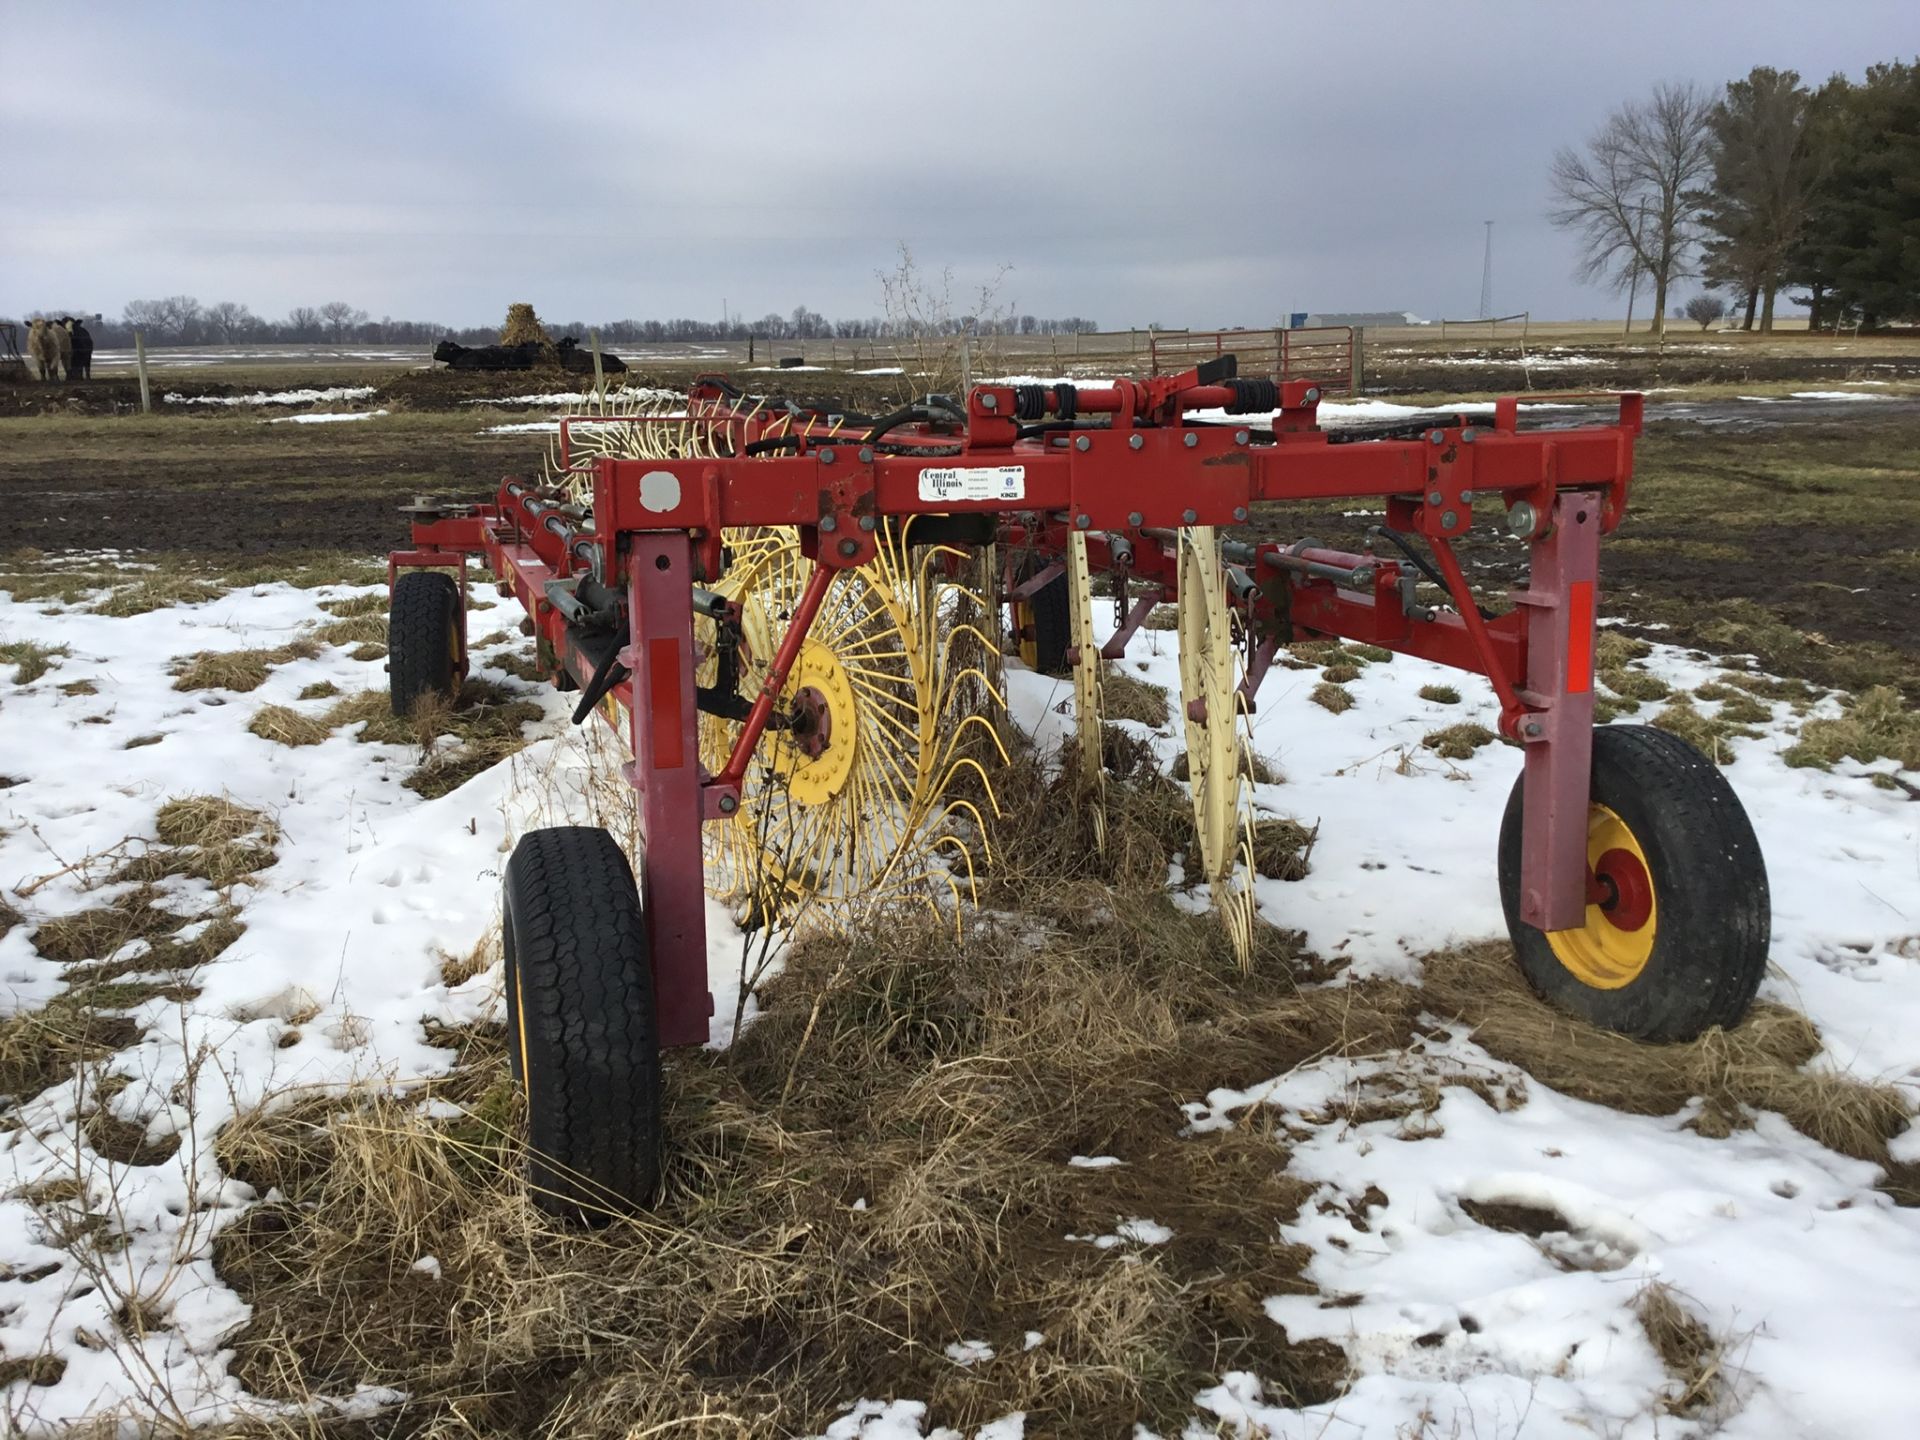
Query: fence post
{"points": [[599, 377], [140, 363], [1359, 363]]}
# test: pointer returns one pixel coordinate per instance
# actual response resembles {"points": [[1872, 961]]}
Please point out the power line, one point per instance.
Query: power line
{"points": [[1486, 277]]}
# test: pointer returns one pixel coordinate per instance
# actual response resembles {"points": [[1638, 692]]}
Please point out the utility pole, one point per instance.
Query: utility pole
{"points": [[1486, 277]]}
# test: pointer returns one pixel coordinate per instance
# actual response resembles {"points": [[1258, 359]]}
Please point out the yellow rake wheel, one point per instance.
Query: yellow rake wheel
{"points": [[1088, 704], [1216, 755], [855, 802]]}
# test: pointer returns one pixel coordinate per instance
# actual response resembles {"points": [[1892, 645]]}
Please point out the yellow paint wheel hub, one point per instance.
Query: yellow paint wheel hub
{"points": [[815, 754], [1611, 950]]}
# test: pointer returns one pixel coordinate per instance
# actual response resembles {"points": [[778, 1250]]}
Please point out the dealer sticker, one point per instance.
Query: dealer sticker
{"points": [[983, 482]]}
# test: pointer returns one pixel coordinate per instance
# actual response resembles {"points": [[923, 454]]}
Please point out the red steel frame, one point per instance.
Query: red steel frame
{"points": [[655, 535]]}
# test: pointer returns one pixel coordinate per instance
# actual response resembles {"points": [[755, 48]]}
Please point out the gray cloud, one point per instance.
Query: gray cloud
{"points": [[1212, 163]]}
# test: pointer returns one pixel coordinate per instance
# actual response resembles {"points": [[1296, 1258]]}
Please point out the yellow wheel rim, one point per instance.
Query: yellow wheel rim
{"points": [[1612, 948], [816, 755]]}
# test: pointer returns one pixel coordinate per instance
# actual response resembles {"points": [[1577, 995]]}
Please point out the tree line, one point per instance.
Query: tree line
{"points": [[1767, 186], [183, 320]]}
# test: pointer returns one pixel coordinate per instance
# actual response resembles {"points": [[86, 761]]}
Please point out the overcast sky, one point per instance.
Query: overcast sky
{"points": [[1198, 163]]}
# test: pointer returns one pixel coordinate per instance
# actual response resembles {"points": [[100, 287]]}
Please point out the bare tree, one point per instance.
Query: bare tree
{"points": [[340, 317], [231, 320], [303, 323], [1705, 308], [1632, 195]]}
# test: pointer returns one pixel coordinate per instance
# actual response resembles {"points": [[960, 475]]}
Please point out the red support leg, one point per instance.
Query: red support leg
{"points": [[666, 773], [1558, 736]]}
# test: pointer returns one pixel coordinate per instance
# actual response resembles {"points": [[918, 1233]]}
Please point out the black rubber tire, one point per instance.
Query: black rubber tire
{"points": [[1046, 612], [424, 626], [1714, 915], [580, 1008]]}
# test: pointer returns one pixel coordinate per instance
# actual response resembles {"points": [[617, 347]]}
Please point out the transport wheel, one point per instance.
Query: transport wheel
{"points": [[871, 789], [580, 1008], [424, 647], [1675, 938], [1043, 623], [1088, 701]]}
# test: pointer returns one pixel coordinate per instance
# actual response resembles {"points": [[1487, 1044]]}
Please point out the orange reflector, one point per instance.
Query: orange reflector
{"points": [[1580, 637], [663, 690]]}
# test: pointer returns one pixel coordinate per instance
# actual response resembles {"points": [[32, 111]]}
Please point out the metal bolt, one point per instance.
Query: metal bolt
{"points": [[826, 456], [1192, 439], [1135, 518], [1082, 442], [1134, 442], [1240, 437], [866, 454], [728, 804], [867, 523], [1189, 516], [1439, 437], [1521, 519], [1312, 397], [1240, 512], [1466, 497], [1083, 521], [1449, 518], [1434, 497], [1533, 727], [989, 402], [827, 522], [849, 547], [1469, 435]]}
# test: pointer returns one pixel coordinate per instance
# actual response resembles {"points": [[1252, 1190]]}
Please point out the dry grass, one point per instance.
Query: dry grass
{"points": [[941, 1082], [1283, 849], [1440, 694], [239, 670], [1458, 742], [1613, 650], [1128, 697], [30, 660], [160, 592], [372, 603], [1876, 725], [1709, 734], [1329, 696], [1756, 1065], [319, 690], [1692, 1356], [286, 726], [363, 628], [1635, 685], [1340, 674]]}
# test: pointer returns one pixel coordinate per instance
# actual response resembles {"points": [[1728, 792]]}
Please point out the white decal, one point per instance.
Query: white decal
{"points": [[983, 482], [659, 491]]}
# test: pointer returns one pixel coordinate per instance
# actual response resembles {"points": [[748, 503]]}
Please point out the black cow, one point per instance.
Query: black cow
{"points": [[81, 367]]}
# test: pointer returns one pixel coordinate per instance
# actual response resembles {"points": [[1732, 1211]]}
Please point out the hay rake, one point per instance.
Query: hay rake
{"points": [[783, 609]]}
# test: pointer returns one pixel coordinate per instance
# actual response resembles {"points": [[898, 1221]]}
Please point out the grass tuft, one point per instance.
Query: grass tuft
{"points": [[1692, 1357], [1332, 697], [1283, 849], [286, 726], [1708, 734], [30, 660], [238, 670], [1876, 725], [320, 690], [1458, 742], [1440, 694], [1128, 697], [1635, 685]]}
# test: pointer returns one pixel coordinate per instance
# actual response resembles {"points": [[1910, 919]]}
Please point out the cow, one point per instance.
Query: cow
{"points": [[45, 350], [82, 365], [529, 355], [63, 337]]}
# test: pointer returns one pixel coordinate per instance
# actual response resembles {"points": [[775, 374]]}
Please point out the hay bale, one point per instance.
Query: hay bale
{"points": [[523, 327]]}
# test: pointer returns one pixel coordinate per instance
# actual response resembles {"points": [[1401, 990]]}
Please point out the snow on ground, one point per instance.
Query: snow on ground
{"points": [[525, 427], [580, 397], [326, 417], [278, 397], [329, 985], [1784, 1247]]}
